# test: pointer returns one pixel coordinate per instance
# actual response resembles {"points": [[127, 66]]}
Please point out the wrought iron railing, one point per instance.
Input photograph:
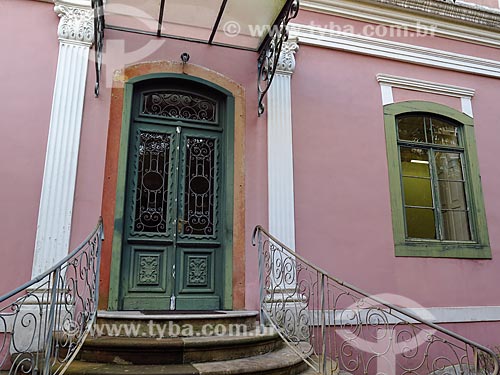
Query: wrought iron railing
{"points": [[349, 331], [44, 322]]}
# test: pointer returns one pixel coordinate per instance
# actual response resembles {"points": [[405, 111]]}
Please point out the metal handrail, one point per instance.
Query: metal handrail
{"points": [[284, 293], [53, 268], [44, 322]]}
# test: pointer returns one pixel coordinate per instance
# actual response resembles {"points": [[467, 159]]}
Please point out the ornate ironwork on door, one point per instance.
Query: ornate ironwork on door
{"points": [[178, 105], [200, 183], [152, 183]]}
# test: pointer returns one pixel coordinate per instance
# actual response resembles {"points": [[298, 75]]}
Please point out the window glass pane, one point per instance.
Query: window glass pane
{"points": [[452, 195], [449, 166], [420, 223], [456, 226], [444, 133], [411, 128], [417, 191], [414, 162]]}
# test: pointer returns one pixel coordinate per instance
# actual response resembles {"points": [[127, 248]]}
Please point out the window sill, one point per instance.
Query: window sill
{"points": [[435, 249]]}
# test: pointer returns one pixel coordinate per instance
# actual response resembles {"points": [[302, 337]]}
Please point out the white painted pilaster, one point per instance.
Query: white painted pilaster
{"points": [[280, 149], [76, 35]]}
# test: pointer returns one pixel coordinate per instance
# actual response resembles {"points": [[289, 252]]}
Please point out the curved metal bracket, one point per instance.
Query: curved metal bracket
{"points": [[99, 25], [270, 53]]}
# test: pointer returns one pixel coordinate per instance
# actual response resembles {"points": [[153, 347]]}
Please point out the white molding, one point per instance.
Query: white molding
{"points": [[286, 61], [76, 24], [79, 3], [61, 161], [321, 37], [387, 95], [466, 103], [387, 82], [380, 14], [281, 200], [438, 315], [425, 86]]}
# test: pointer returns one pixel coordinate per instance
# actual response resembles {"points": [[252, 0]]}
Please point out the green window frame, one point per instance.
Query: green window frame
{"points": [[478, 246]]}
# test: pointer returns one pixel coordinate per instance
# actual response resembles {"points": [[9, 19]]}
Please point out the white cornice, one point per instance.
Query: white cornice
{"points": [[425, 86], [388, 82], [74, 3], [374, 12], [78, 3], [321, 37]]}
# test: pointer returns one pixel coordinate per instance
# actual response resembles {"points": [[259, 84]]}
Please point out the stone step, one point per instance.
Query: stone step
{"points": [[179, 350], [150, 324], [311, 371], [283, 361]]}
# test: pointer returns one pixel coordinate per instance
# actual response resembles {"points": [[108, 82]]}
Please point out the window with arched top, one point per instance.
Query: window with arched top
{"points": [[436, 197]]}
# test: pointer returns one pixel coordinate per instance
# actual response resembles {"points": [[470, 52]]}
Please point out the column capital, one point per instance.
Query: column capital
{"points": [[286, 63], [76, 24]]}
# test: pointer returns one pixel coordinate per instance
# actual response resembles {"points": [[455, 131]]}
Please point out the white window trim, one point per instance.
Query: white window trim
{"points": [[388, 82]]}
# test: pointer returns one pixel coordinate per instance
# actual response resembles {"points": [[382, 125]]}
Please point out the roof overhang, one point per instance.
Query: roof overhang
{"points": [[256, 25], [231, 23]]}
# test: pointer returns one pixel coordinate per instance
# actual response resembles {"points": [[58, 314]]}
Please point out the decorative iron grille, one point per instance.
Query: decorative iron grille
{"points": [[44, 322], [180, 106], [350, 332]]}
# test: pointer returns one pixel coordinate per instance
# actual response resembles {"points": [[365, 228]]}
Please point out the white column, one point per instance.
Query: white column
{"points": [[76, 34], [280, 149]]}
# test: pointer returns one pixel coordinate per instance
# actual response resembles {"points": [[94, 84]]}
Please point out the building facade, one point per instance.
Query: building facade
{"points": [[375, 157]]}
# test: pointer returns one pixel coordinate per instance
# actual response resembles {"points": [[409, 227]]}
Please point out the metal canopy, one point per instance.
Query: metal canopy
{"points": [[253, 25]]}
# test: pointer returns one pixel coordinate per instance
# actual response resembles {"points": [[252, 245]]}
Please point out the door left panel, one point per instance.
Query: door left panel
{"points": [[148, 244]]}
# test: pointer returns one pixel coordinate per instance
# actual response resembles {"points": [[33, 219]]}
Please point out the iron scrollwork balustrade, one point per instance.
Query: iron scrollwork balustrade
{"points": [[339, 329], [270, 54], [44, 322]]}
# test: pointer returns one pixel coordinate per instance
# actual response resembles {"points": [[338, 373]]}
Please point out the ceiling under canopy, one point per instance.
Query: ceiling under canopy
{"points": [[240, 24], [254, 25]]}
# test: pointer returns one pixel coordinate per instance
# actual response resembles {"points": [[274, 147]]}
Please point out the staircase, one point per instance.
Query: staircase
{"points": [[218, 343], [321, 325]]}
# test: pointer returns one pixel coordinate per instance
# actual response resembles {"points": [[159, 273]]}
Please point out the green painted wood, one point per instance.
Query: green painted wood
{"points": [[193, 268], [479, 248], [116, 259], [227, 273]]}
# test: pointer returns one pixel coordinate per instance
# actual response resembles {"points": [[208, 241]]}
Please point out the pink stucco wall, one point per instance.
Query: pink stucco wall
{"points": [[26, 86], [487, 3], [343, 213]]}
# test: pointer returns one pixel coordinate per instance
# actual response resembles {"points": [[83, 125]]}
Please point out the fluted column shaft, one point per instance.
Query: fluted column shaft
{"points": [[55, 214], [280, 149]]}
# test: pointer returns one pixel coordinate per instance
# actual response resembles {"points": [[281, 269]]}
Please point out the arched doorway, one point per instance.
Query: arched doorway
{"points": [[177, 194]]}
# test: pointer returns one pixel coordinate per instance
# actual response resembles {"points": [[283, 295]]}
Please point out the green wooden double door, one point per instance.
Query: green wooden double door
{"points": [[173, 238]]}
